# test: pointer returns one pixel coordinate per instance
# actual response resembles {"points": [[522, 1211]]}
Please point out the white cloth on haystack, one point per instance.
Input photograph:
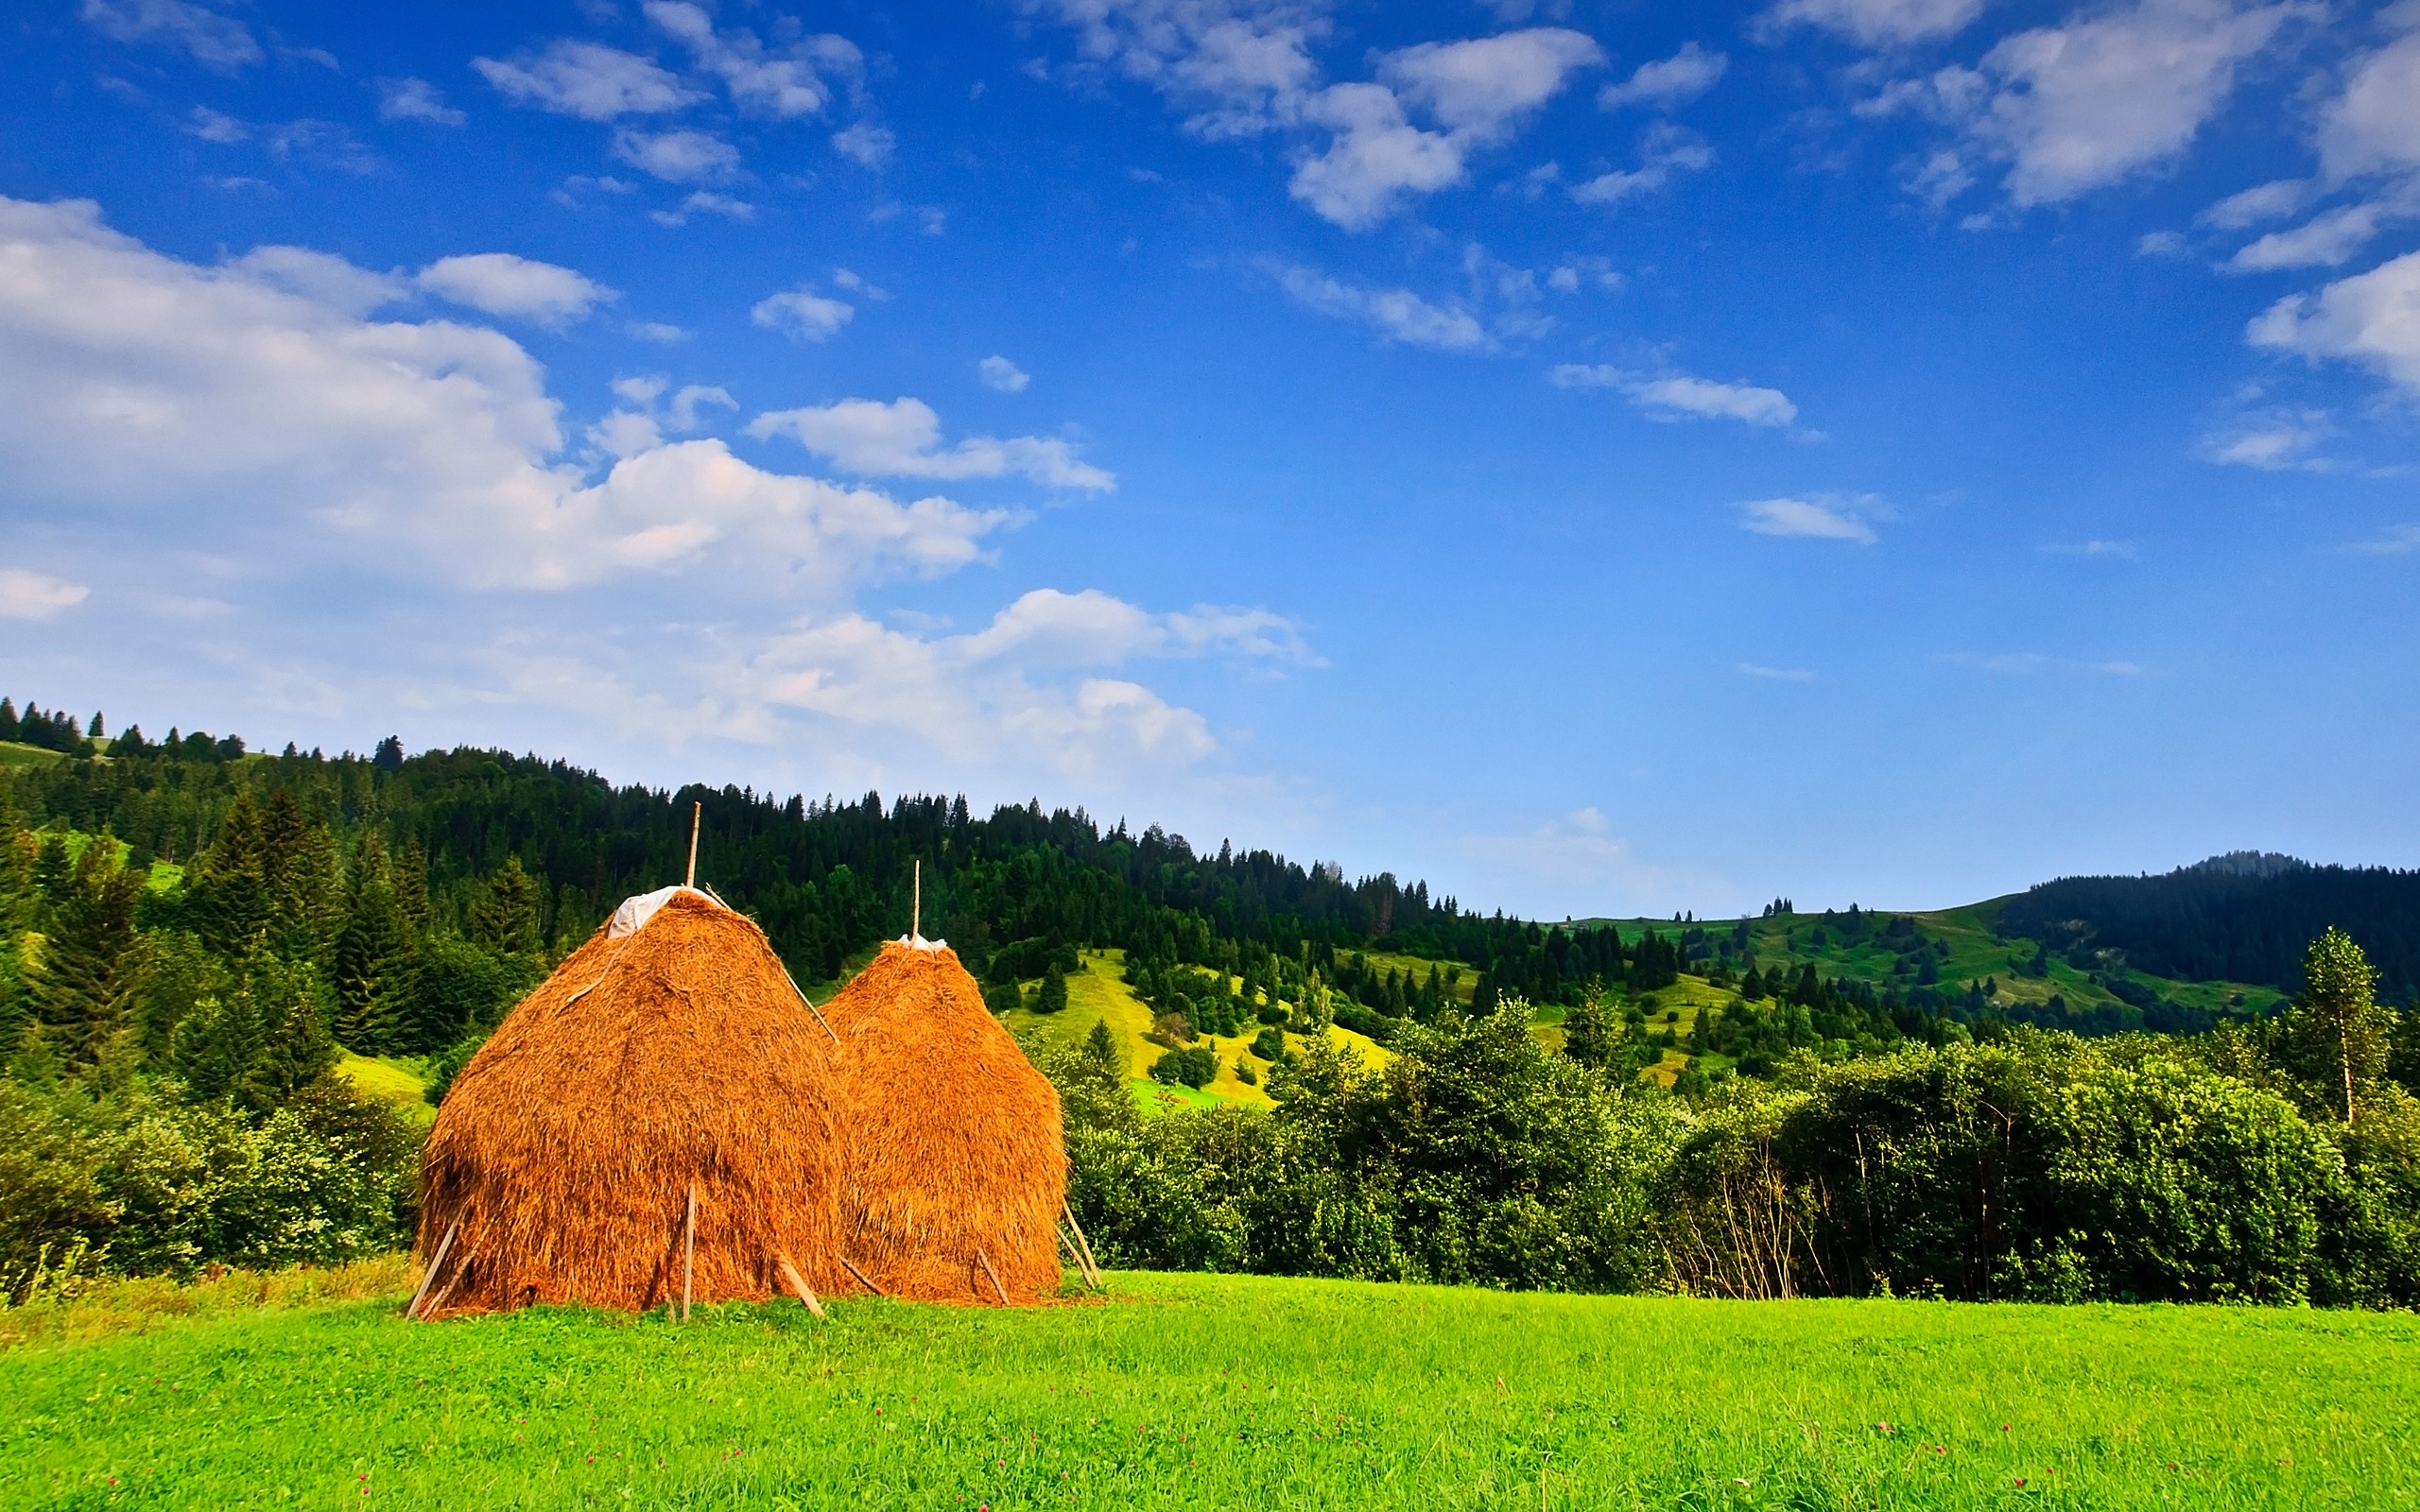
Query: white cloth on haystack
{"points": [[918, 942], [634, 912]]}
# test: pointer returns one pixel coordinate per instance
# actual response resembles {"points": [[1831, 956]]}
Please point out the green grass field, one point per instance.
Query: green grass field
{"points": [[1226, 1392]]}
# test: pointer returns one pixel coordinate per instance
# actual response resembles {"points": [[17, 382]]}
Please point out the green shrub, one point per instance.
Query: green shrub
{"points": [[1194, 1066]]}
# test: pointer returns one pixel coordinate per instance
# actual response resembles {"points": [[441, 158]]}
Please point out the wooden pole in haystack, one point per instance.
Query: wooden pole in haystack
{"points": [[863, 1280], [696, 819], [916, 908], [798, 1283], [435, 1262], [996, 1278], [690, 1252]]}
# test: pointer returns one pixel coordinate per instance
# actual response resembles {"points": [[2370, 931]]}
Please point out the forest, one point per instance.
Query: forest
{"points": [[196, 932]]}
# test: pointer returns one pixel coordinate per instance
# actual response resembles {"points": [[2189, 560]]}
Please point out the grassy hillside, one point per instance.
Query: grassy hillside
{"points": [[1201, 1391], [1099, 993], [14, 754]]}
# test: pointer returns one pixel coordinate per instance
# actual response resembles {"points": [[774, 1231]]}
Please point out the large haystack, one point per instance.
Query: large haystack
{"points": [[954, 1150], [672, 1056]]}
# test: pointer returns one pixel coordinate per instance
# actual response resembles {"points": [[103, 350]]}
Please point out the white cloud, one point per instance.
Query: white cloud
{"points": [[857, 284], [2081, 106], [676, 156], [2372, 125], [664, 333], [1813, 519], [321, 277], [502, 284], [704, 202], [2122, 549], [802, 315], [1751, 669], [903, 439], [586, 80], [1666, 82], [30, 596], [2325, 241], [1667, 150], [1880, 23], [2274, 441], [1244, 68], [865, 144], [1375, 157], [216, 41], [415, 99], [784, 82], [1000, 374], [1678, 396], [1399, 314], [2161, 244], [2274, 201], [228, 403], [2370, 318], [219, 126]]}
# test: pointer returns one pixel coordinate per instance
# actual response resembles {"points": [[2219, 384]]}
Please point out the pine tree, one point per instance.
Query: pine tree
{"points": [[295, 1047], [1101, 1049], [8, 729], [1053, 996], [505, 918], [215, 1045], [411, 875], [1591, 1033], [80, 980]]}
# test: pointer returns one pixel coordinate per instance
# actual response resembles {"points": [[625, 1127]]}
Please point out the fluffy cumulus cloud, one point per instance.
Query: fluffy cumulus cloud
{"points": [[2372, 319], [903, 439], [1812, 519], [216, 41], [1244, 68], [683, 156], [502, 284], [588, 79], [2372, 127], [256, 400], [1679, 396], [31, 595], [2082, 105], [1399, 314], [2275, 440], [797, 79], [803, 315], [1000, 374]]}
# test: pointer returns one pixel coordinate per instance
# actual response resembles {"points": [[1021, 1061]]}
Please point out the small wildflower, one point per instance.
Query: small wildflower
{"points": [[2021, 1480]]}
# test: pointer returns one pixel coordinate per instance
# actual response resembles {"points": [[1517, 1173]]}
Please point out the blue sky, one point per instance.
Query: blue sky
{"points": [[1601, 457]]}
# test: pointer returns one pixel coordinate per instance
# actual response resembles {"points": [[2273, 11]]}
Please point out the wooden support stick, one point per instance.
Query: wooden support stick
{"points": [[995, 1276], [916, 909], [798, 1283], [1074, 1254], [810, 1005], [1090, 1260], [696, 819], [863, 1280], [690, 1252], [434, 1264]]}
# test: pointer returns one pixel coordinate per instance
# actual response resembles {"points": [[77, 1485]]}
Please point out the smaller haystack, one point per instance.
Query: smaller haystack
{"points": [[955, 1166], [667, 1056]]}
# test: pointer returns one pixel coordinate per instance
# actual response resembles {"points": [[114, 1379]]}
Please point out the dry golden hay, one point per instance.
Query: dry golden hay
{"points": [[675, 1057], [952, 1140]]}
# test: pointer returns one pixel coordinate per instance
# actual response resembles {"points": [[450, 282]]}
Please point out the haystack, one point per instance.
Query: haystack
{"points": [[668, 1057], [956, 1166]]}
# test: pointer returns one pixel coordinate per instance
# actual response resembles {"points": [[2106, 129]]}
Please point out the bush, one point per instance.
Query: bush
{"points": [[1197, 1067], [1269, 1044]]}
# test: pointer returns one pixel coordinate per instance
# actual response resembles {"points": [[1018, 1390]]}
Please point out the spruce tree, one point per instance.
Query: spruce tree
{"points": [[80, 979], [295, 1047], [231, 897], [215, 1045], [373, 956], [505, 917], [1053, 996]]}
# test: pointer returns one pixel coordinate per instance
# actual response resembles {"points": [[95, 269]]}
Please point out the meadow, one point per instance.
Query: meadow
{"points": [[1200, 1391]]}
